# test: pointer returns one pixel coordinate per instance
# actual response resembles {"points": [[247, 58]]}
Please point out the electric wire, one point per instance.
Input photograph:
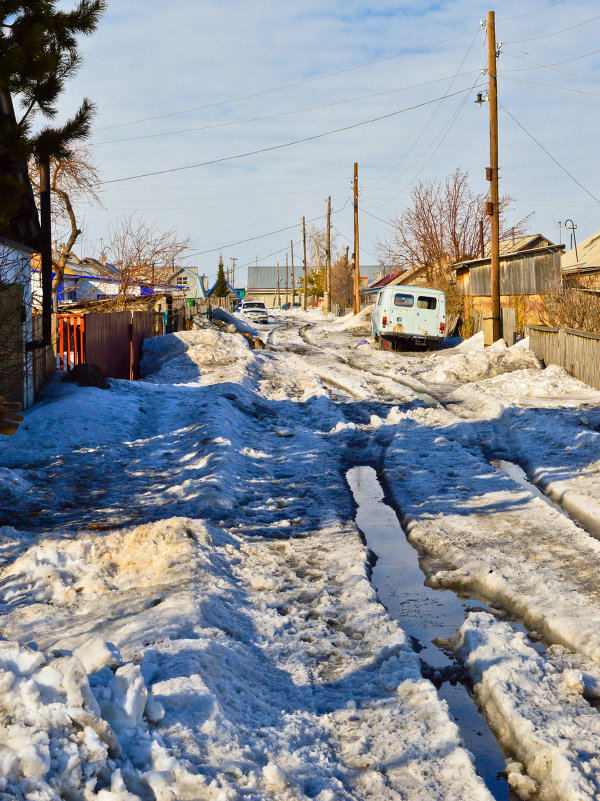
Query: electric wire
{"points": [[263, 236], [553, 66], [290, 85], [281, 113], [547, 152], [282, 145], [555, 33], [535, 11], [435, 111]]}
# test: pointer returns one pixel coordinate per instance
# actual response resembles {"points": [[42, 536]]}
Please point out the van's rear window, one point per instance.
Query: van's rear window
{"points": [[403, 300], [426, 303]]}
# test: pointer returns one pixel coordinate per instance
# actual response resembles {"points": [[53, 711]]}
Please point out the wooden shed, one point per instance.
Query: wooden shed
{"points": [[525, 275]]}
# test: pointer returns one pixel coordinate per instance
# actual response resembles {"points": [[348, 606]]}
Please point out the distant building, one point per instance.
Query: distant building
{"points": [[273, 285]]}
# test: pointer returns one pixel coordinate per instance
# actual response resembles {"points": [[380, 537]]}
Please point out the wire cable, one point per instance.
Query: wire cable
{"points": [[281, 113], [535, 11], [555, 33], [262, 236], [539, 144], [290, 85], [283, 145]]}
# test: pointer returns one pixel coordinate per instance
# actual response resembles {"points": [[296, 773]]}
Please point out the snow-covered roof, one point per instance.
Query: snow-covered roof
{"points": [[586, 257]]}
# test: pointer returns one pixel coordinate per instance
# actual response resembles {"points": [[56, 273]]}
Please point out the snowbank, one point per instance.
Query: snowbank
{"points": [[536, 709], [185, 354], [473, 364], [360, 322]]}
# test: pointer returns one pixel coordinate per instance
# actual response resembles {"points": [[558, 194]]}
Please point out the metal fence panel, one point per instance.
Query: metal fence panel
{"points": [[108, 342]]}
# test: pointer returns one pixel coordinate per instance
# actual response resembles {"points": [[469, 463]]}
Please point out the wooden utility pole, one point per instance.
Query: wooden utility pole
{"points": [[293, 279], [327, 297], [493, 331], [287, 298], [278, 299], [233, 261], [356, 259], [304, 295]]}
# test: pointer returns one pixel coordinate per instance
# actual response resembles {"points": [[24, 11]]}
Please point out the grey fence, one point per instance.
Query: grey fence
{"points": [[577, 351]]}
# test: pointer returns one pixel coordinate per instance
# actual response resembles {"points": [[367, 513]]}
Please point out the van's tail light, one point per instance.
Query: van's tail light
{"points": [[442, 326], [384, 320]]}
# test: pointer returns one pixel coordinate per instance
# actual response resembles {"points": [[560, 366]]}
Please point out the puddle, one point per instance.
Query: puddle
{"points": [[518, 474], [424, 614]]}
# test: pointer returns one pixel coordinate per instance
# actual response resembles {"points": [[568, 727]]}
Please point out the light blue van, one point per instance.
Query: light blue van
{"points": [[409, 316]]}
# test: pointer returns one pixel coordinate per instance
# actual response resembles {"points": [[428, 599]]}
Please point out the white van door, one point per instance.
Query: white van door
{"points": [[427, 315], [402, 312]]}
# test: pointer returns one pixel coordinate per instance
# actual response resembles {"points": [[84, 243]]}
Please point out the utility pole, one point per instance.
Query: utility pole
{"points": [[356, 259], [493, 332], [293, 285], [278, 299], [304, 296], [481, 242], [287, 298], [327, 294], [233, 271]]}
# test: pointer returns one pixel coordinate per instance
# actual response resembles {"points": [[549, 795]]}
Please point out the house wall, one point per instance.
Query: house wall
{"points": [[16, 364]]}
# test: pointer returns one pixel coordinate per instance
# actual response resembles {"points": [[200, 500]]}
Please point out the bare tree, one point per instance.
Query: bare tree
{"points": [[317, 242], [342, 281], [441, 226], [569, 305], [72, 181], [141, 254]]}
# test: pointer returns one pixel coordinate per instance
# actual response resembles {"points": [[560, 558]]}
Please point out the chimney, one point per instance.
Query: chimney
{"points": [[102, 259]]}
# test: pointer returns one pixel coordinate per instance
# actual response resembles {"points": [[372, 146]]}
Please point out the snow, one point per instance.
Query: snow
{"points": [[535, 708], [186, 607]]}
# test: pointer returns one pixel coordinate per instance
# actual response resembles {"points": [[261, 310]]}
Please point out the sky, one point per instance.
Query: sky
{"points": [[204, 100]]}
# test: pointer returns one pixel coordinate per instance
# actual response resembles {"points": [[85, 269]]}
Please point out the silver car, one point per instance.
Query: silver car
{"points": [[255, 310]]}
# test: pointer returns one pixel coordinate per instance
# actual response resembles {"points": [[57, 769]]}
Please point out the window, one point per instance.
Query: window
{"points": [[426, 303], [403, 300], [380, 299], [183, 280]]}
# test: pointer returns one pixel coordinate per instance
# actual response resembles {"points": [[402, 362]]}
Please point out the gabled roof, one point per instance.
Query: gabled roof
{"points": [[230, 287], [381, 282], [584, 258], [514, 244]]}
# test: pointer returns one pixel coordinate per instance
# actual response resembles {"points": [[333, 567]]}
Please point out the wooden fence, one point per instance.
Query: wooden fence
{"points": [[577, 351]]}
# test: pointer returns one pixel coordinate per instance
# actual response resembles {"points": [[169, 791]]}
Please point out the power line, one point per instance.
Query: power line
{"points": [[535, 11], [283, 145], [539, 144], [435, 111], [290, 85], [555, 33], [554, 86], [261, 236], [552, 66], [282, 113]]}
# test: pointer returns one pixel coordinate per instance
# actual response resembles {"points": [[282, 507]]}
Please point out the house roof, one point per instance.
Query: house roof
{"points": [[381, 282], [514, 244], [230, 287], [587, 257]]}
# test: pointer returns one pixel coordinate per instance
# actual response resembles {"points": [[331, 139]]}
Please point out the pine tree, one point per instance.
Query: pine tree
{"points": [[38, 46], [221, 290]]}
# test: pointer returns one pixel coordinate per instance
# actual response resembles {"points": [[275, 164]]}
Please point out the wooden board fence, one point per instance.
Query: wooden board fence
{"points": [[577, 351]]}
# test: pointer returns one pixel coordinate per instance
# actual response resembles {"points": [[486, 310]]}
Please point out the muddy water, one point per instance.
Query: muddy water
{"points": [[424, 614]]}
